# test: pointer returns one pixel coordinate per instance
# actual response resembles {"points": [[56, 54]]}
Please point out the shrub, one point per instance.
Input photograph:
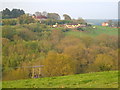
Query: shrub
{"points": [[25, 19], [9, 22], [58, 65], [103, 62], [16, 74], [8, 32]]}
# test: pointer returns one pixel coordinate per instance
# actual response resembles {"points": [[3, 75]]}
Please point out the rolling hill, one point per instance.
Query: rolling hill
{"points": [[107, 79], [94, 32]]}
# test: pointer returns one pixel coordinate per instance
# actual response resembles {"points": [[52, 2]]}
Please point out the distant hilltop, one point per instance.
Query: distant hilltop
{"points": [[99, 21]]}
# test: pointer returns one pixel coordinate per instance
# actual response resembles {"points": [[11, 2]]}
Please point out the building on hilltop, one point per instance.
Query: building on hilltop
{"points": [[105, 24], [74, 25], [39, 17]]}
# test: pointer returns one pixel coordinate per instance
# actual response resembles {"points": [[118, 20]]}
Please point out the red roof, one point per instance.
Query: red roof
{"points": [[41, 17]]}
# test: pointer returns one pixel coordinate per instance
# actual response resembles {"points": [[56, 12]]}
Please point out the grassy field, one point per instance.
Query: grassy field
{"points": [[94, 32], [89, 80]]}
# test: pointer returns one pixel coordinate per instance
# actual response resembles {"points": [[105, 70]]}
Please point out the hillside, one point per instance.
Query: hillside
{"points": [[94, 32], [98, 21], [89, 80]]}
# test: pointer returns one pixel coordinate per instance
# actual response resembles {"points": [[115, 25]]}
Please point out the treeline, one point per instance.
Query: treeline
{"points": [[26, 19], [14, 13], [37, 44], [23, 19], [17, 16]]}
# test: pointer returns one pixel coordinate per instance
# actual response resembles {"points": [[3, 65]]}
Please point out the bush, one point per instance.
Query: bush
{"points": [[103, 62], [8, 32], [25, 19], [58, 65], [78, 54], [26, 34], [16, 74], [9, 22], [80, 29], [66, 30]]}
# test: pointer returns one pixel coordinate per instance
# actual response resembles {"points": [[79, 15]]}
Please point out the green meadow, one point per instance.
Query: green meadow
{"points": [[107, 79], [94, 32]]}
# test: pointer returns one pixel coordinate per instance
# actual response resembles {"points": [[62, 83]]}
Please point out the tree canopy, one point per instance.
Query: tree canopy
{"points": [[14, 13], [53, 16], [66, 17]]}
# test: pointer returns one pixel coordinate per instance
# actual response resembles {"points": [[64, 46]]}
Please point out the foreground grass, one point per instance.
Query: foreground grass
{"points": [[89, 80]]}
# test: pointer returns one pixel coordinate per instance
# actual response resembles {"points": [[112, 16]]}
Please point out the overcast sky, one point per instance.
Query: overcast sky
{"points": [[87, 9]]}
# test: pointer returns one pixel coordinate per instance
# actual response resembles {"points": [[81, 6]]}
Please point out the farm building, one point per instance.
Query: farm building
{"points": [[39, 17], [105, 24], [56, 25], [74, 25]]}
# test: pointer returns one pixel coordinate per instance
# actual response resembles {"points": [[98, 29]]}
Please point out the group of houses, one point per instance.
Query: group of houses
{"points": [[113, 25], [74, 25], [70, 26], [105, 24]]}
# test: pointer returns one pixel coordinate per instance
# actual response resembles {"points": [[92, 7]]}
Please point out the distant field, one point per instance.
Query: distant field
{"points": [[89, 80], [94, 32]]}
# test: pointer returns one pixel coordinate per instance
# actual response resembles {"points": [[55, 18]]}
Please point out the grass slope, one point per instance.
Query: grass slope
{"points": [[89, 80], [94, 32]]}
